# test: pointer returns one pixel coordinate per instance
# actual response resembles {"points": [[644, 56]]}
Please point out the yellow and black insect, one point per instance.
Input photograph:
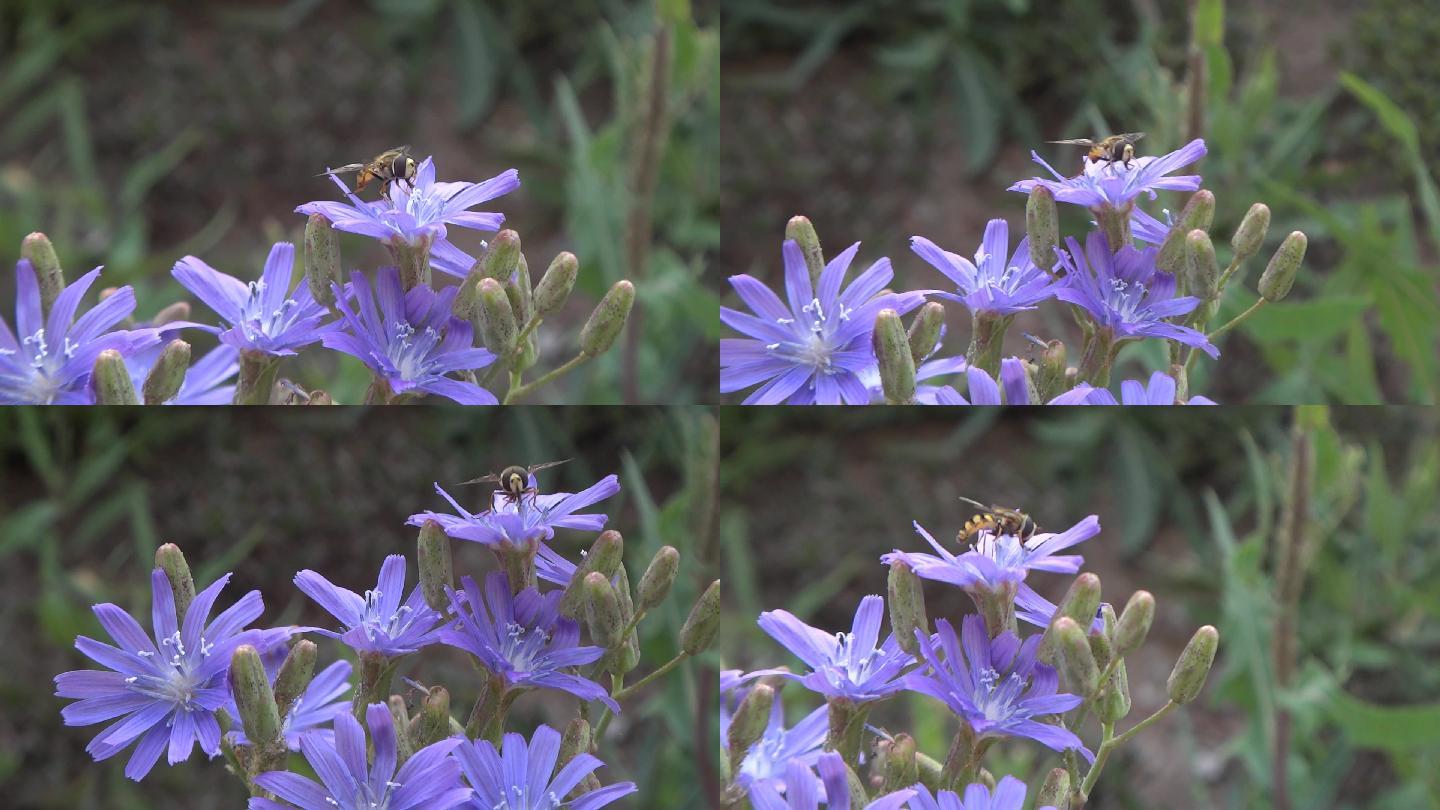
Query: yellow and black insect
{"points": [[387, 167], [514, 480], [996, 520], [1114, 149]]}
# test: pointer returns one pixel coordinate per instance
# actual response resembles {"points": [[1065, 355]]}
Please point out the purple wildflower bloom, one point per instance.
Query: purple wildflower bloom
{"points": [[767, 758], [523, 777], [985, 391], [805, 792], [314, 709], [843, 665], [1009, 794], [208, 381], [814, 350], [263, 316], [1126, 294], [1104, 183], [417, 215], [522, 639], [412, 340], [1159, 391], [50, 363], [991, 284], [165, 693], [996, 686], [429, 779], [377, 622]]}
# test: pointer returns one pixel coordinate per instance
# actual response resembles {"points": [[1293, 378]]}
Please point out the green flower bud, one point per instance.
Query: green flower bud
{"points": [[168, 374], [897, 367], [434, 721], [605, 323], [1199, 212], [1279, 275], [802, 231], [497, 318], [522, 297], [1251, 234], [294, 675], [698, 632], [1043, 228], [436, 568], [575, 741], [178, 311], [1100, 648], [1134, 623], [404, 728], [111, 380], [467, 298], [1115, 697], [322, 259], [1050, 373], [169, 558], [925, 330], [504, 256], [319, 397], [1076, 660], [1202, 269], [251, 686], [1079, 605], [602, 611], [556, 284], [901, 770], [1193, 667], [414, 262], [658, 577], [1056, 790], [36, 249], [603, 558], [748, 723], [907, 606]]}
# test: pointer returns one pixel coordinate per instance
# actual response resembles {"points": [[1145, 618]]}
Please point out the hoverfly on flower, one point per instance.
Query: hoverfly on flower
{"points": [[996, 519], [387, 167], [514, 480], [1112, 149]]}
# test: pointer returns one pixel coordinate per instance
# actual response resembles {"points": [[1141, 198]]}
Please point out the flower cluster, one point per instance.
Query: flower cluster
{"points": [[1133, 278], [247, 693], [470, 342], [996, 682]]}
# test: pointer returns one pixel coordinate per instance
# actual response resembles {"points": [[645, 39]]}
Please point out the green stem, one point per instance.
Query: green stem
{"points": [[1234, 322], [257, 378], [571, 365], [617, 682], [1110, 743], [511, 356], [987, 339], [664, 669], [375, 674], [1098, 355]]}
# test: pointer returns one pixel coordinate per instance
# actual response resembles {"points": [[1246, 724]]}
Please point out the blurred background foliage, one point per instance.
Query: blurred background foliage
{"points": [[1190, 502], [138, 132], [891, 118], [86, 497]]}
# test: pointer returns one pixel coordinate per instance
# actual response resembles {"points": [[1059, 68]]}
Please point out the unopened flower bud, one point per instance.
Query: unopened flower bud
{"points": [[1042, 226], [1055, 792], [178, 311], [467, 297], [436, 567], [892, 350], [504, 256], [1076, 661], [802, 231], [575, 741], [522, 296], [111, 380], [319, 397], [168, 374], [433, 723], [603, 557], [1199, 212], [1082, 601], [1115, 696], [294, 675], [1251, 234], [1279, 275], [555, 286], [37, 250], [169, 559], [658, 577], [251, 686], [1050, 371], [1193, 667], [925, 330], [907, 606], [748, 724], [605, 323], [698, 632], [602, 611], [497, 318], [1202, 269], [322, 259], [901, 770], [1101, 648], [1134, 623]]}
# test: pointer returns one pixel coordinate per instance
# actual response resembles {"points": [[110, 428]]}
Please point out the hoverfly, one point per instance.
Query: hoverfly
{"points": [[514, 480], [998, 520], [1116, 148], [388, 167]]}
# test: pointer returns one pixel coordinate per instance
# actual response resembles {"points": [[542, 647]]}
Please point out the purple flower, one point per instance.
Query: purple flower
{"points": [[522, 639], [1125, 294], [929, 369], [984, 390], [814, 350], [165, 693], [412, 340], [315, 708], [417, 215], [523, 777], [997, 687], [263, 316], [778, 746], [1159, 391], [429, 779], [51, 361], [208, 381], [843, 665], [804, 792], [1009, 794], [1105, 183], [532, 518], [991, 284], [377, 623]]}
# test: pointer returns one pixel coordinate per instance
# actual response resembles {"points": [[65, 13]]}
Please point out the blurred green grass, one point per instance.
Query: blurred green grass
{"points": [[1187, 501], [86, 497], [138, 132]]}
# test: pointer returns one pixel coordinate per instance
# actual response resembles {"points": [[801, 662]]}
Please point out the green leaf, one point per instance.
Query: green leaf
{"points": [[476, 73], [979, 118], [1394, 119], [1391, 728], [1209, 23], [1309, 321]]}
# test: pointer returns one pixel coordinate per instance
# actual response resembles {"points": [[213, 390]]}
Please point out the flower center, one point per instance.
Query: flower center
{"points": [[176, 683], [408, 351], [854, 662], [523, 646], [257, 322], [997, 696], [1126, 300], [376, 622], [814, 330]]}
